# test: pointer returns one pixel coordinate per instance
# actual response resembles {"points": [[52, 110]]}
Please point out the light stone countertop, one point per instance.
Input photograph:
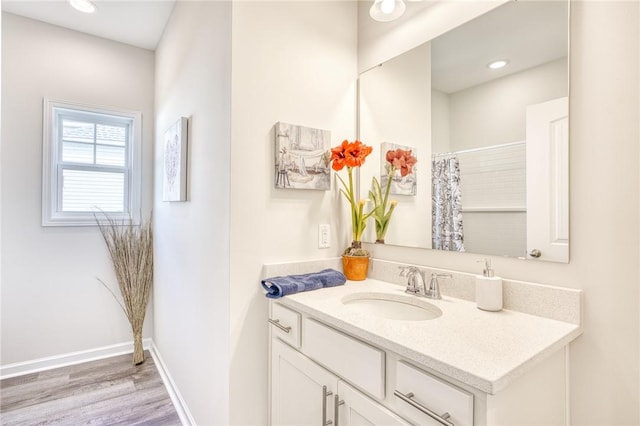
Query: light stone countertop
{"points": [[485, 350]]}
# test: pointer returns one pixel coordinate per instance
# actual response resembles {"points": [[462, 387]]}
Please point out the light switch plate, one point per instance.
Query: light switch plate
{"points": [[324, 236]]}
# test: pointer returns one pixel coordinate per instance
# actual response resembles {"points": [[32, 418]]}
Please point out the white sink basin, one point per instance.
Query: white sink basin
{"points": [[392, 306]]}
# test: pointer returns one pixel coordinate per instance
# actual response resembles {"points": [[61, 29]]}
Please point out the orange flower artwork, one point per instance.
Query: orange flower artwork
{"points": [[402, 160], [398, 169]]}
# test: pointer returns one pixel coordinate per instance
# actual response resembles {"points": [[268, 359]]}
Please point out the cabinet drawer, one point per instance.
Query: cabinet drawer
{"points": [[285, 324], [355, 361], [422, 398]]}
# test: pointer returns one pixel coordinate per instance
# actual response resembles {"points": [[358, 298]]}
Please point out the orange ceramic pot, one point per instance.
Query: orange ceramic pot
{"points": [[355, 268]]}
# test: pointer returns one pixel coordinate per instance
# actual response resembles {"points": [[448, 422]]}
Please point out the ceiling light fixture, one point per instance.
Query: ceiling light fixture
{"points": [[387, 10], [496, 65], [85, 6]]}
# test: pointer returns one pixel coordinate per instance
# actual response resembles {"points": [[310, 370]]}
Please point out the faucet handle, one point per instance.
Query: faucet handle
{"points": [[434, 287], [409, 272], [437, 275], [404, 270]]}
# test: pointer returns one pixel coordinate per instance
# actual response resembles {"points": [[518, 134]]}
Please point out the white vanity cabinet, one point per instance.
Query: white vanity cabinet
{"points": [[304, 392], [322, 375]]}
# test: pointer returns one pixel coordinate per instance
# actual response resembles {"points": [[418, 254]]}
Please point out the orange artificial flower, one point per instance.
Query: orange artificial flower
{"points": [[350, 154]]}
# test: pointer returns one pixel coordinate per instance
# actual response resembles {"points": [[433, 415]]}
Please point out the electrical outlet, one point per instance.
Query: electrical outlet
{"points": [[324, 236]]}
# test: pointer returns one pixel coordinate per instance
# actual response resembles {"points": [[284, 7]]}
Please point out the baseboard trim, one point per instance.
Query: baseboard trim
{"points": [[48, 363], [178, 402]]}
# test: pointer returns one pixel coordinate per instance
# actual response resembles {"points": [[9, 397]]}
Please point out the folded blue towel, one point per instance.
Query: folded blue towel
{"points": [[281, 286]]}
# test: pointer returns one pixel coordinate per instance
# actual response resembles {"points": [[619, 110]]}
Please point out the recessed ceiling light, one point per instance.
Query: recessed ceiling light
{"points": [[85, 6], [496, 65], [387, 10]]}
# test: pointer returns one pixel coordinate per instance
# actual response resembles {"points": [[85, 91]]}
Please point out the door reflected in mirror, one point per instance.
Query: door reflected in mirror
{"points": [[491, 142]]}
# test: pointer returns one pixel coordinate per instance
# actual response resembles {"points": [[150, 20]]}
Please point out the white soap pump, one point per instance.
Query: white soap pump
{"points": [[488, 289]]}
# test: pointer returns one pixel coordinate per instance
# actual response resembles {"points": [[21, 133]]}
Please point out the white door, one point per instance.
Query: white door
{"points": [[548, 180], [301, 391], [359, 410]]}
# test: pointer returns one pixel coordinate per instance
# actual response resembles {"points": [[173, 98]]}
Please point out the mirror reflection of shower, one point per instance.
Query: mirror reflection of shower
{"points": [[491, 197]]}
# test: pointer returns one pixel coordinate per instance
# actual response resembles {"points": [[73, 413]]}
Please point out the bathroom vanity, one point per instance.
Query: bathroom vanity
{"points": [[367, 353]]}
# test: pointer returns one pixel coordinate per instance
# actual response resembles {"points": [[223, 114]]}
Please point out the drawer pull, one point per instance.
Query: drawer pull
{"points": [[442, 419], [280, 326], [325, 394], [336, 409]]}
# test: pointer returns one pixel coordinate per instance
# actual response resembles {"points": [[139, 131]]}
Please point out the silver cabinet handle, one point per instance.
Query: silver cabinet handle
{"points": [[280, 326], [336, 407], [535, 253], [325, 394], [442, 419]]}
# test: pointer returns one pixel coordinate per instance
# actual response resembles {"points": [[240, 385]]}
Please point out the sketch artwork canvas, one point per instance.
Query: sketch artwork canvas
{"points": [[174, 175], [400, 185], [302, 157]]}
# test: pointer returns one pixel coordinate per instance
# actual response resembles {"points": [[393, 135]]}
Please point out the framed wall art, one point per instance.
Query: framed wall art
{"points": [[174, 173], [402, 160], [302, 157]]}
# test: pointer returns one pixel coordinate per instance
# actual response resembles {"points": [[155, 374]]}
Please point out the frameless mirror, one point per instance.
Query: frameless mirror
{"points": [[491, 142]]}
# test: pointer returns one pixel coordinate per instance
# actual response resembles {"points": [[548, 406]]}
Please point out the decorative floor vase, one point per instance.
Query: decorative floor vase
{"points": [[355, 268]]}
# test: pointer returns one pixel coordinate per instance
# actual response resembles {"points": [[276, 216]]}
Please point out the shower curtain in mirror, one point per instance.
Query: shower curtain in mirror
{"points": [[446, 205]]}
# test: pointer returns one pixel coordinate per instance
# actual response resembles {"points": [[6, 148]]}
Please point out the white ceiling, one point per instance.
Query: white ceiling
{"points": [[136, 22]]}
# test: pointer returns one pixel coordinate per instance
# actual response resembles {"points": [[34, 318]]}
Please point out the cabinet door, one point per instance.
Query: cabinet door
{"points": [[357, 409], [301, 390]]}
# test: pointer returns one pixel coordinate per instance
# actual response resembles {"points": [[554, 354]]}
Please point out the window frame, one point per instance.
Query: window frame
{"points": [[53, 166]]}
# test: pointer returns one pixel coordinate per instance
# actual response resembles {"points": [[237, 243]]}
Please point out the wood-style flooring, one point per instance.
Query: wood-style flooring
{"points": [[109, 391]]}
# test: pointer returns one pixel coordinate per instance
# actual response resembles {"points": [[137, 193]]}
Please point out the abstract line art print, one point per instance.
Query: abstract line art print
{"points": [[174, 172]]}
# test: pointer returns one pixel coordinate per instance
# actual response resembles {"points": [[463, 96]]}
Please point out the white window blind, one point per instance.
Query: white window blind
{"points": [[91, 164], [87, 191]]}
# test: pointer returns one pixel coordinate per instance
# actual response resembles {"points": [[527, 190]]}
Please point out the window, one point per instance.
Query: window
{"points": [[91, 163]]}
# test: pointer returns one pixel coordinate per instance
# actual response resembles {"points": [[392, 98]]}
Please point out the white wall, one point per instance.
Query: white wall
{"points": [[52, 303], [605, 215], [604, 144], [191, 296], [293, 62], [0, 177]]}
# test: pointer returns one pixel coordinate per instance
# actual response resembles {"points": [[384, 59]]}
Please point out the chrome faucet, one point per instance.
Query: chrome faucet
{"points": [[416, 283], [415, 280], [434, 287]]}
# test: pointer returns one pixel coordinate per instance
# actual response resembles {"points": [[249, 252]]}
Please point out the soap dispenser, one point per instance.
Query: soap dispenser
{"points": [[488, 289]]}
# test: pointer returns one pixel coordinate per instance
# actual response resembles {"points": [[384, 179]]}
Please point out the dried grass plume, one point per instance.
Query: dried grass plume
{"points": [[131, 250]]}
